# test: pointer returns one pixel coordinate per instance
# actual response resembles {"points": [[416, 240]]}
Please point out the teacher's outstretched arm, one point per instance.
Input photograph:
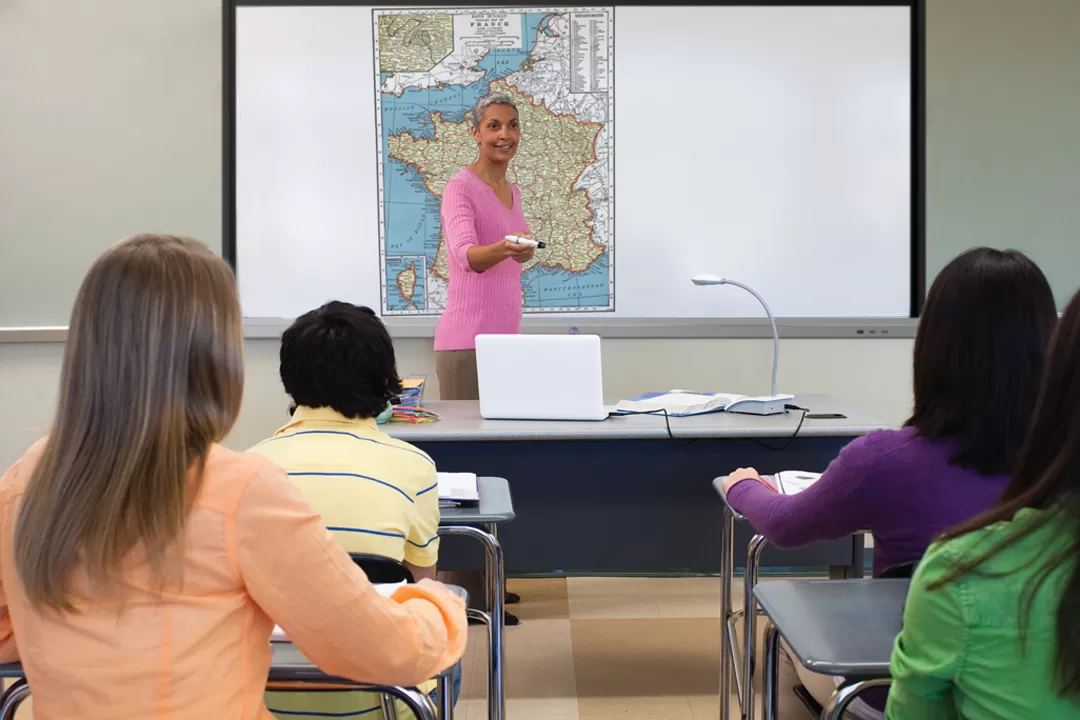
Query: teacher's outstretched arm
{"points": [[459, 224]]}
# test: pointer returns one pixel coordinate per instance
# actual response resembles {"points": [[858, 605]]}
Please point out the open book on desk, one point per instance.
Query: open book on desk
{"points": [[458, 489], [677, 403], [384, 589]]}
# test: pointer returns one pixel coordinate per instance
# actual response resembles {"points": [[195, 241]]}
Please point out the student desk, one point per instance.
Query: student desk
{"points": [[835, 627], [620, 496], [480, 523], [732, 664]]}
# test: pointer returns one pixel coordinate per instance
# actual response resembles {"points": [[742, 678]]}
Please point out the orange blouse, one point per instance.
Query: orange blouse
{"points": [[255, 553]]}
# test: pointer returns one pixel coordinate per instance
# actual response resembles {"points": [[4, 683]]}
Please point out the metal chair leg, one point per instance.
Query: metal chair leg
{"points": [[727, 638], [844, 696], [13, 698], [750, 579], [772, 671], [389, 707]]}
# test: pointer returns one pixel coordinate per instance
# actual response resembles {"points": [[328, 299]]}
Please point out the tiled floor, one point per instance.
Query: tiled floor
{"points": [[603, 649], [606, 648]]}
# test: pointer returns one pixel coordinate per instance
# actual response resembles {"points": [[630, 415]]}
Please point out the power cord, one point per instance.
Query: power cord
{"points": [[802, 418], [671, 435], [661, 411]]}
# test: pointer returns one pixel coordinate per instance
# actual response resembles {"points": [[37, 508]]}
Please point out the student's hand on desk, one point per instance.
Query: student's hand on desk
{"points": [[738, 476]]}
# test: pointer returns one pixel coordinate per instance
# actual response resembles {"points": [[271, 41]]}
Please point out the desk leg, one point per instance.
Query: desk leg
{"points": [[444, 698], [13, 697], [496, 600], [495, 571], [750, 579], [844, 696], [727, 572], [772, 672]]}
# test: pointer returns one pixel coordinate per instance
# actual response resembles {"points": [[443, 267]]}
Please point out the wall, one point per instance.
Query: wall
{"points": [[114, 128]]}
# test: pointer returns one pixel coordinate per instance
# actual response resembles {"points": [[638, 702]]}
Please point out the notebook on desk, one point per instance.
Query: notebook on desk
{"points": [[458, 489]]}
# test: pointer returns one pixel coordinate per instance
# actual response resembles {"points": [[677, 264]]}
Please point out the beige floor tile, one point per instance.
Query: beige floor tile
{"points": [[611, 599], [474, 664], [619, 658], [541, 598], [635, 707]]}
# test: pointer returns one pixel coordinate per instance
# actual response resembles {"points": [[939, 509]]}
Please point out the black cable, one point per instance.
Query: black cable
{"points": [[793, 435], [667, 418]]}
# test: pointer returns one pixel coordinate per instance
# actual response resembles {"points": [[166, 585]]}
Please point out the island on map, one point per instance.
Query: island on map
{"points": [[556, 65]]}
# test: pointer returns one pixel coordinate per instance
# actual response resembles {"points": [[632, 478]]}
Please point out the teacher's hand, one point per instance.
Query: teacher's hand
{"points": [[519, 252]]}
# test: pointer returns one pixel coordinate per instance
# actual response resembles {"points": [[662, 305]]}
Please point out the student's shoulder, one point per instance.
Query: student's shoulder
{"points": [[890, 445], [407, 456], [14, 480], [229, 473]]}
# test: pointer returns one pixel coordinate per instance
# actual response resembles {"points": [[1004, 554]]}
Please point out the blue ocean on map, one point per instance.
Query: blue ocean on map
{"points": [[412, 212]]}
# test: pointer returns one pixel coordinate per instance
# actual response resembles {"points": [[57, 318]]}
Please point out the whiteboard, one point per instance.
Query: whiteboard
{"points": [[772, 145]]}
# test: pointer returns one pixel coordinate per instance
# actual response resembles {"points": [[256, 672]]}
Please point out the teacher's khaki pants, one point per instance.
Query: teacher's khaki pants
{"points": [[456, 370]]}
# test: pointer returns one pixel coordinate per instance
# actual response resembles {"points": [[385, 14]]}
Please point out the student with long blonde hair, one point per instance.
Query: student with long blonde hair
{"points": [[143, 566]]}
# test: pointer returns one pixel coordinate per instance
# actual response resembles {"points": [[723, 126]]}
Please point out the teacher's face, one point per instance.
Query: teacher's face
{"points": [[498, 135]]}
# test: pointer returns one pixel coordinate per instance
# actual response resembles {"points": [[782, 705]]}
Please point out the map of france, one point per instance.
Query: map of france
{"points": [[556, 65]]}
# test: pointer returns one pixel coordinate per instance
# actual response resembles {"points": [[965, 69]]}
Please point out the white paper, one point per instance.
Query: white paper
{"points": [[458, 486], [384, 589], [790, 482]]}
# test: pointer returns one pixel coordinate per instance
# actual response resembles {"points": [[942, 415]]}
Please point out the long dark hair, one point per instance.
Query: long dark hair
{"points": [[978, 356], [1047, 477]]}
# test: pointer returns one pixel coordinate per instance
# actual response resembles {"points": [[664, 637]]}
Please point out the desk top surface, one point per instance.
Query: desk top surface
{"points": [[461, 421], [495, 505], [837, 627]]}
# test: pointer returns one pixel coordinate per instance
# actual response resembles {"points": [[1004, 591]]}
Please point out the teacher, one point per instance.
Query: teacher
{"points": [[480, 207]]}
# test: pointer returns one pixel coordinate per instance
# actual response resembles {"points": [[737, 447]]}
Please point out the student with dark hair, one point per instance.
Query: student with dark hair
{"points": [[978, 357], [377, 495], [992, 621]]}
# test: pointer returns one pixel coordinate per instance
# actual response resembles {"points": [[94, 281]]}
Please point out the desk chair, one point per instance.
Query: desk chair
{"points": [[380, 569]]}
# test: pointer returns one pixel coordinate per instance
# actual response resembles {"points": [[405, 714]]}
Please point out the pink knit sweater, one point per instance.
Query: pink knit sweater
{"points": [[478, 303]]}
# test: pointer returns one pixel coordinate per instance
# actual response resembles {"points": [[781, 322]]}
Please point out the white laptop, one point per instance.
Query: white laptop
{"points": [[540, 377]]}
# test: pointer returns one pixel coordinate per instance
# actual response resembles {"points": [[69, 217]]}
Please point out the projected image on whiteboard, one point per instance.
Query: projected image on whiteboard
{"points": [[556, 65]]}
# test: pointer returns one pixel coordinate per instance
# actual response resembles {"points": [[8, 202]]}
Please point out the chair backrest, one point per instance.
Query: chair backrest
{"points": [[380, 569], [900, 570]]}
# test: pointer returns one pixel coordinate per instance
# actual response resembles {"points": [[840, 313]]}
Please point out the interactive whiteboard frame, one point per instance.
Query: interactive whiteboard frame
{"points": [[421, 327]]}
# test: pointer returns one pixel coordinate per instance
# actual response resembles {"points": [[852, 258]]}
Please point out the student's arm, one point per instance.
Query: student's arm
{"points": [[928, 653], [422, 541], [308, 585], [840, 503]]}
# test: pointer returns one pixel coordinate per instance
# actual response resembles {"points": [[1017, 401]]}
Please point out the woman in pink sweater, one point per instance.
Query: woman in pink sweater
{"points": [[480, 207]]}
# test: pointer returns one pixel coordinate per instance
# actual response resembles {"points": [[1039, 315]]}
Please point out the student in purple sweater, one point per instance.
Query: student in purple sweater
{"points": [[978, 357]]}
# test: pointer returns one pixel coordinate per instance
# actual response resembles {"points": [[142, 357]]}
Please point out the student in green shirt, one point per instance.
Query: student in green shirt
{"points": [[992, 621]]}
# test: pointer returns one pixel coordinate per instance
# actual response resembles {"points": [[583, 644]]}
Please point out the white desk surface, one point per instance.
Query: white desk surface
{"points": [[460, 421]]}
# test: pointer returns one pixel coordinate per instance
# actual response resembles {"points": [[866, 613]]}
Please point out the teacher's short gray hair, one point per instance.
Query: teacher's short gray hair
{"points": [[477, 112]]}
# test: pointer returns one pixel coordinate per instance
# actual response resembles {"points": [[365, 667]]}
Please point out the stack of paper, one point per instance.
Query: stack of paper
{"points": [[458, 489], [384, 589]]}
